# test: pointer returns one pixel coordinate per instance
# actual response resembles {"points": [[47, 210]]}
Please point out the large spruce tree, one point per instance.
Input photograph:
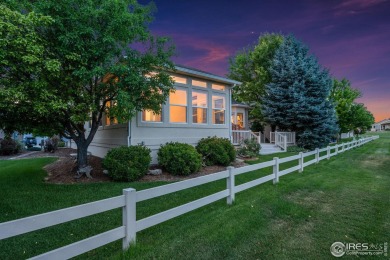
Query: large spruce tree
{"points": [[297, 98]]}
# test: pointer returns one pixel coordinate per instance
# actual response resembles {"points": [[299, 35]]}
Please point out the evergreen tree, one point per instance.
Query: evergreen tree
{"points": [[297, 98]]}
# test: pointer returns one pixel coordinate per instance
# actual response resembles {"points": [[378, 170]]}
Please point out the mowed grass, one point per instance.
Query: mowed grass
{"points": [[346, 199]]}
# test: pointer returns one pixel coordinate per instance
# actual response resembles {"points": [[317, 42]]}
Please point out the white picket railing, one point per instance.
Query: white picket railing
{"points": [[289, 135], [240, 135], [128, 203]]}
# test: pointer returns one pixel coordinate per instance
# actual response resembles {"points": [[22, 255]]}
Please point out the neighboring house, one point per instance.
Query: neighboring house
{"points": [[381, 126], [200, 107], [15, 135]]}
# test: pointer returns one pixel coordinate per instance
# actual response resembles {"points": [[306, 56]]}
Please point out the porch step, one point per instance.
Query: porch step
{"points": [[269, 149]]}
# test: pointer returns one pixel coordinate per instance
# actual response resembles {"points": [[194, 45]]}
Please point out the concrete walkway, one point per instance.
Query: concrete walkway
{"points": [[22, 155], [267, 148]]}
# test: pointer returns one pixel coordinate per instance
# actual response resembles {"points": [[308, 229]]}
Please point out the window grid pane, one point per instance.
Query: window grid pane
{"points": [[198, 83], [218, 117], [179, 80], [218, 87], [150, 116], [199, 115], [179, 97], [218, 105], [178, 114]]}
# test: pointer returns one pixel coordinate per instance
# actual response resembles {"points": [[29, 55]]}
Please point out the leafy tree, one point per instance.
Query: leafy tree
{"points": [[251, 67], [350, 115], [361, 119], [297, 98], [343, 96], [104, 50], [23, 61]]}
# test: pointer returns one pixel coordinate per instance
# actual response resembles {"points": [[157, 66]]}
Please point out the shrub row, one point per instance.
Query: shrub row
{"points": [[131, 163]]}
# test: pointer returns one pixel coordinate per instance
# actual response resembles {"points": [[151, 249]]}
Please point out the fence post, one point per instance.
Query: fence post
{"points": [[276, 170], [285, 143], [328, 152], [317, 155], [301, 162], [337, 149], [230, 186], [129, 217]]}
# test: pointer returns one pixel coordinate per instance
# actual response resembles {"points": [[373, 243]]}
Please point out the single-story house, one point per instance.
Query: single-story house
{"points": [[381, 126], [200, 107]]}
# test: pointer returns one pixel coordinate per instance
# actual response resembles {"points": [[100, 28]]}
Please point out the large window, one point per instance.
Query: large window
{"points": [[150, 116], [219, 107], [178, 106], [110, 120], [199, 107]]}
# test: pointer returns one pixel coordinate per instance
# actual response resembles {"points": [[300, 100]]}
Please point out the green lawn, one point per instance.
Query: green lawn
{"points": [[344, 199]]}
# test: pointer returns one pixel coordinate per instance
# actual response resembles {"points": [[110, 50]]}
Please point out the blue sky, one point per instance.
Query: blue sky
{"points": [[349, 37]]}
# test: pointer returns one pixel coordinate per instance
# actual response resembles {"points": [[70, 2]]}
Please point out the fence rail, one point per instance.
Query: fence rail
{"points": [[128, 201]]}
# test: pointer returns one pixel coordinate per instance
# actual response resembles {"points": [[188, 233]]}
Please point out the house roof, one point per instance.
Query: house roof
{"points": [[239, 104], [205, 75], [384, 121]]}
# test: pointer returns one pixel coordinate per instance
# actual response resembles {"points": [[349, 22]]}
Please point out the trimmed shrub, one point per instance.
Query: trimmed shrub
{"points": [[216, 151], [295, 149], [249, 148], [179, 158], [9, 146], [127, 163], [61, 144]]}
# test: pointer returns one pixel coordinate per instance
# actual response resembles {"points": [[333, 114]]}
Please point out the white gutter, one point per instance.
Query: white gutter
{"points": [[230, 115], [206, 75]]}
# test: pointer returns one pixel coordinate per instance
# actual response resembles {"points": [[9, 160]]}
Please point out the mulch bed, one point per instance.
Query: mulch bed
{"points": [[64, 170]]}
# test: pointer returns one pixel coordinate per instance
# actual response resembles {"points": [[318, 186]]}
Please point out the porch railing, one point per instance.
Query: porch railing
{"points": [[290, 137], [240, 135], [281, 141]]}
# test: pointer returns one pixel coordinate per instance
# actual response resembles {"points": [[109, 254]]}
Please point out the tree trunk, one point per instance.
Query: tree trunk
{"points": [[82, 153]]}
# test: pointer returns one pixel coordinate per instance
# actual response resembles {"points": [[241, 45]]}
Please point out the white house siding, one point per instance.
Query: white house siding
{"points": [[108, 137], [153, 137]]}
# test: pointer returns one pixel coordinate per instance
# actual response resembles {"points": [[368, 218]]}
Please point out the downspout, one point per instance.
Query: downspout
{"points": [[129, 133], [230, 115]]}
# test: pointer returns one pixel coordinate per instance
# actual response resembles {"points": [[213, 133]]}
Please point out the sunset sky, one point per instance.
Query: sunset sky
{"points": [[349, 37]]}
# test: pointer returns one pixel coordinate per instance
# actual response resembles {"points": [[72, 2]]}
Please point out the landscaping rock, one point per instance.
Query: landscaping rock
{"points": [[86, 170], [105, 172], [155, 172]]}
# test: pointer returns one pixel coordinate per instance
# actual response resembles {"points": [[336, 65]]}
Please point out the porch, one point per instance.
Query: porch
{"points": [[278, 141]]}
